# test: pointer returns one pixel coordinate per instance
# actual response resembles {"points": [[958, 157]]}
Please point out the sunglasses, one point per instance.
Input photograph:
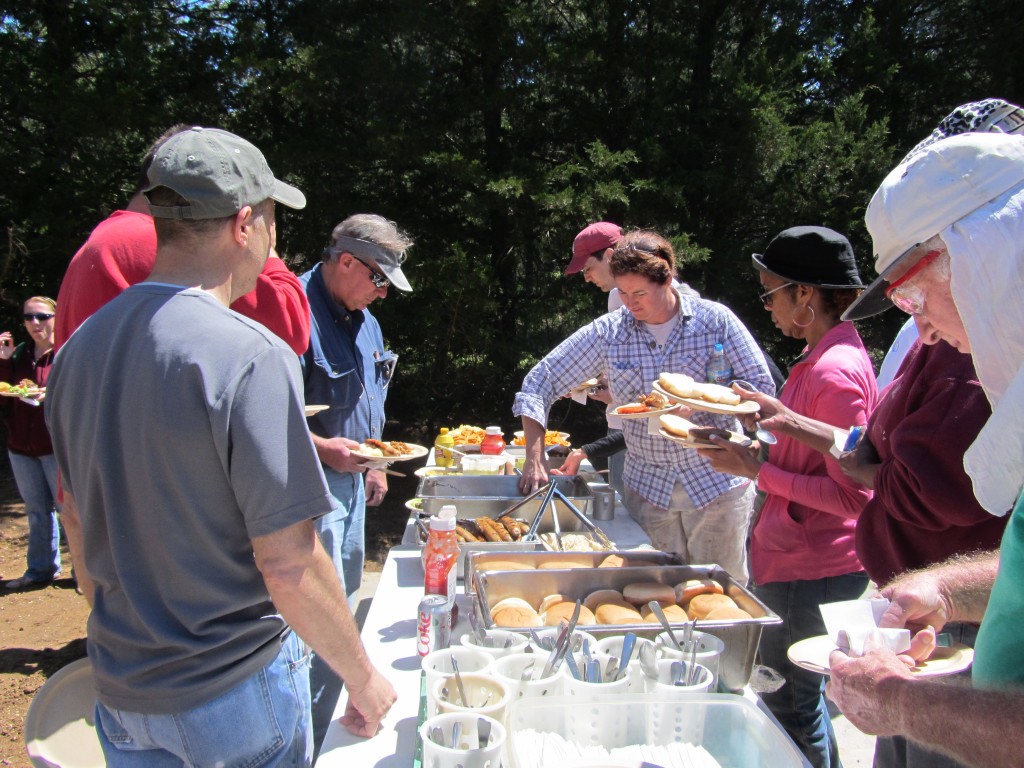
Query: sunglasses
{"points": [[766, 297], [905, 295], [39, 317], [378, 280]]}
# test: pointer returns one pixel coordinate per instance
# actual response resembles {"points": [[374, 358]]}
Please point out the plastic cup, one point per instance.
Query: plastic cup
{"points": [[437, 665], [509, 669], [467, 752], [709, 651], [518, 642], [485, 695]]}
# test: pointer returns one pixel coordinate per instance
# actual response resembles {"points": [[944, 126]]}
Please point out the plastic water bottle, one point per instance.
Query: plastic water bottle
{"points": [[718, 369]]}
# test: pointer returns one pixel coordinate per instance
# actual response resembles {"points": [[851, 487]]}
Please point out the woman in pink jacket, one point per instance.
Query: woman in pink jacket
{"points": [[802, 545]]}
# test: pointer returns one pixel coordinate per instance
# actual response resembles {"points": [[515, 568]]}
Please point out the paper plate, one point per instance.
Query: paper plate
{"points": [[745, 406], [734, 437], [312, 410], [812, 654], [59, 728], [418, 452]]}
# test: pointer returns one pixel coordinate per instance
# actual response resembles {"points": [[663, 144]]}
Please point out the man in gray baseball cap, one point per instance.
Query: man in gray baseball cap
{"points": [[198, 536]]}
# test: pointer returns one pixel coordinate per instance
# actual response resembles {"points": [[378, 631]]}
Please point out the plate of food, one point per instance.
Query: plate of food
{"points": [[388, 451], [713, 398], [312, 410], [24, 388], [690, 435], [645, 407], [551, 437], [812, 654]]}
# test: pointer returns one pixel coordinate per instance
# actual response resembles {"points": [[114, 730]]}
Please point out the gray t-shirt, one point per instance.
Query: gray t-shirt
{"points": [[179, 427]]}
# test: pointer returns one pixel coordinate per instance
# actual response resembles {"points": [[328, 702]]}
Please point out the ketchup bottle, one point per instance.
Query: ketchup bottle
{"points": [[493, 442], [440, 558]]}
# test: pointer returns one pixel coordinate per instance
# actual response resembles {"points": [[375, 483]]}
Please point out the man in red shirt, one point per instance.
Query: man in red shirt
{"points": [[121, 250]]}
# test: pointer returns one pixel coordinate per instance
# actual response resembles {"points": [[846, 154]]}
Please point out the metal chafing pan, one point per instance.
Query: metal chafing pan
{"points": [[490, 495], [741, 637]]}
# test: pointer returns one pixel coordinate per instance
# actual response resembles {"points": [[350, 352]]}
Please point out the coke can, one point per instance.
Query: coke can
{"points": [[433, 624]]}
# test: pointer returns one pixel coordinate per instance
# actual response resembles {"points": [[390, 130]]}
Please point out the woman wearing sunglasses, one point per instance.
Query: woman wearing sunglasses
{"points": [[802, 545], [28, 441]]}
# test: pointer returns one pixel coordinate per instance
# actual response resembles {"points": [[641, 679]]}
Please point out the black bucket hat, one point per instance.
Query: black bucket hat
{"points": [[811, 256]]}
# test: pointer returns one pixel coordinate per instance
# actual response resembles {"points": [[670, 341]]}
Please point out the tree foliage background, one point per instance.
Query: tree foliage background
{"points": [[492, 131]]}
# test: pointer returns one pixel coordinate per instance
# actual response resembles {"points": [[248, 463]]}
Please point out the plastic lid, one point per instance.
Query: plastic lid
{"points": [[493, 430], [719, 348], [444, 430]]}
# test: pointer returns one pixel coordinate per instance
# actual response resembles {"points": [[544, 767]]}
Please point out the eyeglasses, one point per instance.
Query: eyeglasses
{"points": [[39, 317], [906, 295], [386, 367], [766, 297], [378, 280]]}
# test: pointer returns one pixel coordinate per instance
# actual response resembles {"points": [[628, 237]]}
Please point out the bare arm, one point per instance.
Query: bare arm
{"points": [[535, 472], [305, 588], [775, 417], [880, 697], [76, 543]]}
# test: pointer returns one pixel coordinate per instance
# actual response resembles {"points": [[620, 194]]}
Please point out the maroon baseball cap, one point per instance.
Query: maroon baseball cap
{"points": [[594, 238]]}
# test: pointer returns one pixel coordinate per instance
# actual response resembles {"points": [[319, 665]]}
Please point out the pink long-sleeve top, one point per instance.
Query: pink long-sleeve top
{"points": [[806, 527]]}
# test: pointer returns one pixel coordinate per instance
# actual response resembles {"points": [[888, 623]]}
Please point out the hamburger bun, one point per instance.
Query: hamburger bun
{"points": [[727, 613], [700, 606], [676, 426], [614, 613], [564, 562], [678, 384], [509, 602], [614, 561], [687, 590], [643, 592], [550, 600], [595, 599], [516, 616], [672, 612], [505, 565], [560, 612]]}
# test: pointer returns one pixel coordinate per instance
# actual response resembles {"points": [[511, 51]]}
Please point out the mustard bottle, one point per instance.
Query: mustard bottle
{"points": [[443, 456]]}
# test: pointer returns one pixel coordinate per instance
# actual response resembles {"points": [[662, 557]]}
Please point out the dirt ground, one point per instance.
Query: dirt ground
{"points": [[42, 630]]}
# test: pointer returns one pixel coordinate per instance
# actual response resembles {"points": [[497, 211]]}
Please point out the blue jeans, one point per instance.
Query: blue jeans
{"points": [[343, 536], [799, 705], [260, 723], [36, 477]]}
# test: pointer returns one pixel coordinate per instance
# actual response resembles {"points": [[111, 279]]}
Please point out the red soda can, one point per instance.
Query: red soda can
{"points": [[433, 624]]}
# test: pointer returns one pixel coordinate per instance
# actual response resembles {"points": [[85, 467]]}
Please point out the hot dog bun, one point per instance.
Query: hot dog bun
{"points": [[595, 599], [517, 616], [672, 613], [559, 612], [725, 613], [678, 384], [700, 606], [614, 613], [676, 425], [687, 590]]}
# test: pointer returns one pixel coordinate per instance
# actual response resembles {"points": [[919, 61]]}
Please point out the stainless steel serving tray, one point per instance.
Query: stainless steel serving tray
{"points": [[741, 637], [490, 495]]}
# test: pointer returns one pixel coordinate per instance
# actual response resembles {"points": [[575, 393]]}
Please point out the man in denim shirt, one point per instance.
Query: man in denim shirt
{"points": [[348, 368]]}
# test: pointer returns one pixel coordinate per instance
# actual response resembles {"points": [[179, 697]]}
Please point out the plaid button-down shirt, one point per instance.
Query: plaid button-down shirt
{"points": [[623, 348]]}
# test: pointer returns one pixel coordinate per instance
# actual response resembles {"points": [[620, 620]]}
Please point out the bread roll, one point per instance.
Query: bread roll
{"points": [[595, 599], [672, 613], [678, 384], [613, 613], [517, 616], [559, 612], [701, 605], [509, 602], [505, 565], [614, 561], [689, 589], [550, 600], [642, 592], [727, 613], [676, 425], [564, 562]]}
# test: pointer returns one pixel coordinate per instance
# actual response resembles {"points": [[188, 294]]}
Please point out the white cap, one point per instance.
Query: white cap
{"points": [[493, 430], [444, 520]]}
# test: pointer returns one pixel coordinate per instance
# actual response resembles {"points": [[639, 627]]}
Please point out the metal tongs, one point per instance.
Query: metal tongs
{"points": [[587, 523]]}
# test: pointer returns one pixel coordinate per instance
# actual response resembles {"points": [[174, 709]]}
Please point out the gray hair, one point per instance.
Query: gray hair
{"points": [[371, 228]]}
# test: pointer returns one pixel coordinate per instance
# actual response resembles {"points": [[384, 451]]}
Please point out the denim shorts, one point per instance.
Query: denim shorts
{"points": [[264, 721]]}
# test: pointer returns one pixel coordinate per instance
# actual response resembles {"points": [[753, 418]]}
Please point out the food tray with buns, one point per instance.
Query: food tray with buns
{"points": [[739, 628]]}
